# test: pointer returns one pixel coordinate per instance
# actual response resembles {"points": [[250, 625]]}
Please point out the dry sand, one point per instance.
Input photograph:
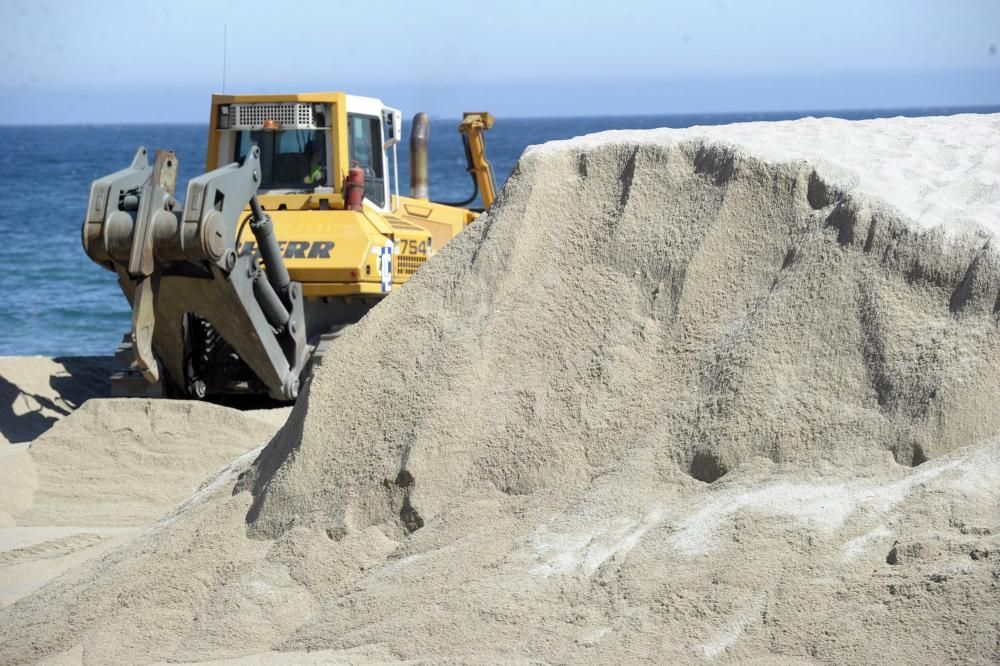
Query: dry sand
{"points": [[720, 394], [35, 392], [97, 469]]}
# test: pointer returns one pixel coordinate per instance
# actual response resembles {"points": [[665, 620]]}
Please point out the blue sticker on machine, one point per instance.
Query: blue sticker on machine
{"points": [[385, 265]]}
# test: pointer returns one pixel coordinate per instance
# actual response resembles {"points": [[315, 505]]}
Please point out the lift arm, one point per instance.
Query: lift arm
{"points": [[472, 127], [175, 260]]}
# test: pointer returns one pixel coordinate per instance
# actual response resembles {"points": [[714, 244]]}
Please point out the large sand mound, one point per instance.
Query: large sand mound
{"points": [[674, 398]]}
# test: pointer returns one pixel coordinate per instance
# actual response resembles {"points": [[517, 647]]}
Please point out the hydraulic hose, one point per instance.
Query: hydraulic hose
{"points": [[472, 173]]}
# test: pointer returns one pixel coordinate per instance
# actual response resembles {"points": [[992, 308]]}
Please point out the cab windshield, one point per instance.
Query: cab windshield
{"points": [[293, 159]]}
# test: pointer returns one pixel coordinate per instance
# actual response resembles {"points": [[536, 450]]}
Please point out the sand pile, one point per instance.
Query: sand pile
{"points": [[680, 396], [125, 462], [103, 471]]}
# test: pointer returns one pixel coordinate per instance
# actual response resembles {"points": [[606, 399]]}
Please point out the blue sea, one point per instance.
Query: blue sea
{"points": [[54, 301]]}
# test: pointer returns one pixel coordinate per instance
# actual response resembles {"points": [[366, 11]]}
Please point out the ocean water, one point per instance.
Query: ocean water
{"points": [[55, 301]]}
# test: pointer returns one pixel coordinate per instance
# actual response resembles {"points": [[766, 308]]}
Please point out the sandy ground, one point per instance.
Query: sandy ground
{"points": [[84, 487], [719, 395], [35, 391]]}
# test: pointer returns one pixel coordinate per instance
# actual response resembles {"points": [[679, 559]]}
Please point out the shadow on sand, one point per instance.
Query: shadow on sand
{"points": [[84, 377]]}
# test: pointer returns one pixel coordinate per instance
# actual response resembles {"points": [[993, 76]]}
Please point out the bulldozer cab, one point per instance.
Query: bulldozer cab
{"points": [[308, 142]]}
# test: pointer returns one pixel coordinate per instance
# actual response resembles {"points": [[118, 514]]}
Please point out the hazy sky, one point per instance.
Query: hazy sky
{"points": [[113, 61]]}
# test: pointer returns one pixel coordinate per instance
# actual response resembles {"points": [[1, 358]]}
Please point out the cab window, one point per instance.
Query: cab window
{"points": [[364, 145], [293, 159]]}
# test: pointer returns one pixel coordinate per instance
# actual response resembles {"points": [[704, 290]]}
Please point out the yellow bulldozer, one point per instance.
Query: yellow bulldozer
{"points": [[296, 231]]}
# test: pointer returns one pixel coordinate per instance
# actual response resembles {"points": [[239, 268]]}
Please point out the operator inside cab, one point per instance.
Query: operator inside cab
{"points": [[315, 152], [290, 159]]}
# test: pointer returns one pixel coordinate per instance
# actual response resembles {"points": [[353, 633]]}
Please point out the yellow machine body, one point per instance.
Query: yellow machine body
{"points": [[330, 250]]}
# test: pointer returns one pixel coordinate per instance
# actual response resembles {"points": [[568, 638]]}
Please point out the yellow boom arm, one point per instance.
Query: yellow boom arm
{"points": [[472, 127]]}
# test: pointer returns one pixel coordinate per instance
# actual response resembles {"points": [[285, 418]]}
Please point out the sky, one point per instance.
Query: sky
{"points": [[116, 61]]}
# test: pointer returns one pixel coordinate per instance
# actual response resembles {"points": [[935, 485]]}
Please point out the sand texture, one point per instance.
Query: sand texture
{"points": [[99, 469], [711, 395], [125, 462]]}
